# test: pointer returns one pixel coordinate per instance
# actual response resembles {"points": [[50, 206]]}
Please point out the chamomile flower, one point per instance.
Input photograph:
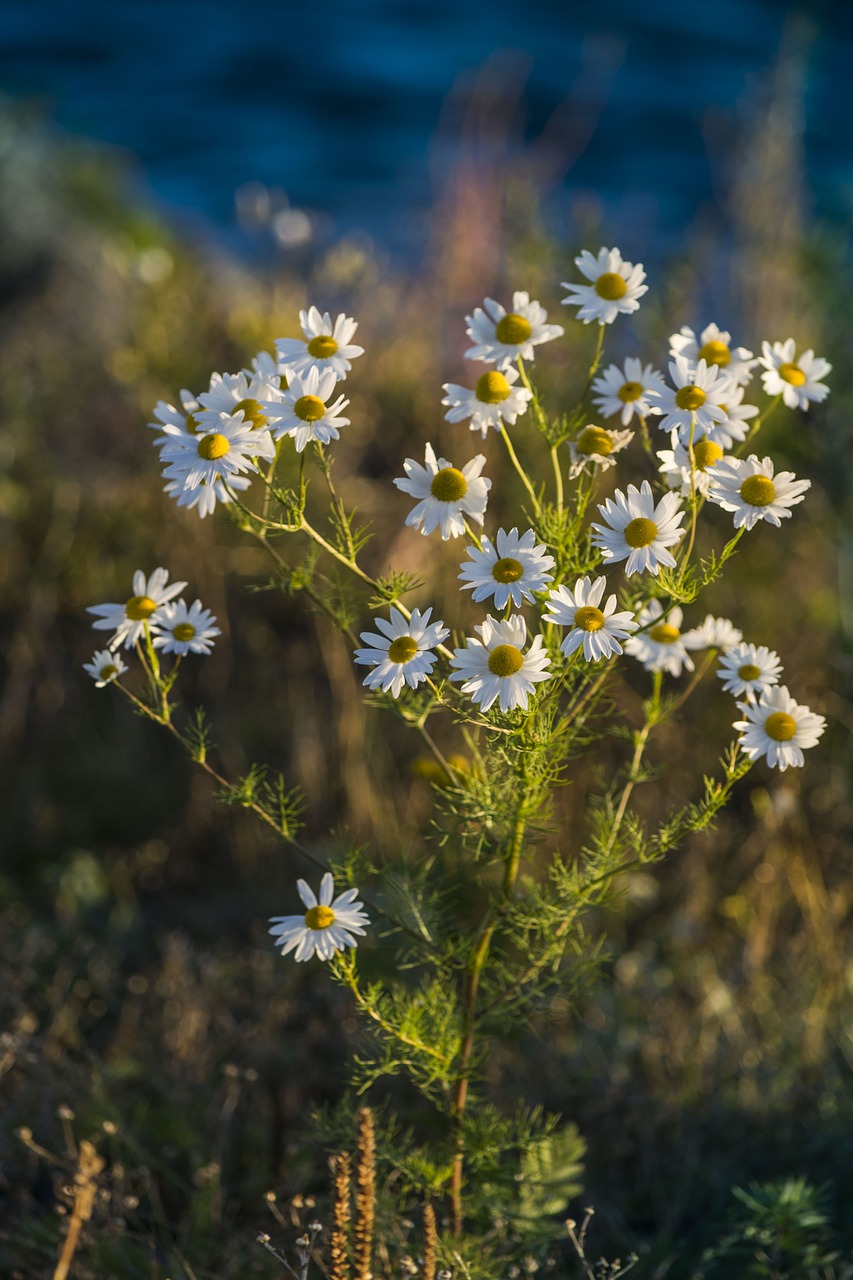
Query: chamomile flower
{"points": [[713, 633], [748, 487], [493, 401], [796, 379], [714, 346], [255, 395], [696, 403], [402, 654], [172, 421], [206, 494], [660, 647], [501, 336], [129, 620], [616, 287], [325, 927], [510, 569], [595, 447], [626, 391], [733, 427], [676, 469], [105, 667], [446, 494], [230, 450], [494, 669], [749, 669], [305, 412], [597, 630], [778, 728], [326, 347], [182, 628], [639, 531]]}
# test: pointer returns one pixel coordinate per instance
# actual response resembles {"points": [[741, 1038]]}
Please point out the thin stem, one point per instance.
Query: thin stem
{"points": [[558, 476], [757, 425], [522, 474]]}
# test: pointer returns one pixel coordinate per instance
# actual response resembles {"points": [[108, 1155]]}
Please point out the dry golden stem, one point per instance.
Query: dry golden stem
{"points": [[365, 1196], [430, 1241], [89, 1165], [338, 1260]]}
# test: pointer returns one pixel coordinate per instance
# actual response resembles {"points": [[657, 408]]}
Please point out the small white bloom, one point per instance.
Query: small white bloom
{"points": [[661, 646], [493, 402], [326, 927], [305, 413], [713, 633], [129, 620], [595, 447], [616, 288], [172, 421], [202, 459], [184, 629], [749, 669], [402, 654], [733, 428], [697, 402], [597, 630], [326, 347], [779, 728], [447, 495], [500, 337], [714, 346], [638, 531], [626, 391], [748, 487], [256, 396], [205, 495], [675, 464], [511, 568], [105, 667], [796, 379], [494, 667]]}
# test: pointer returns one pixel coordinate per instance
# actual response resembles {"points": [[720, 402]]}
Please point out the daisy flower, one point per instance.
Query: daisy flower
{"points": [[779, 728], [595, 447], [206, 495], [675, 465], [638, 531], [714, 346], [493, 402], [105, 667], [184, 629], [255, 395], [661, 646], [174, 421], [501, 336], [713, 633], [326, 347], [597, 630], [305, 413], [403, 653], [625, 391], [128, 620], [797, 381], [494, 667], [696, 403], [616, 288], [447, 495], [511, 568], [193, 460], [733, 427], [748, 487], [749, 669], [326, 927]]}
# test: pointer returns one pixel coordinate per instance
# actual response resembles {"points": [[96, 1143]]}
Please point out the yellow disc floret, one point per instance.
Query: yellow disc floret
{"points": [[588, 618], [640, 532], [402, 649], [319, 917], [791, 373], [192, 424], [213, 446], [138, 608], [513, 329], [758, 491], [322, 346], [507, 570], [505, 660], [706, 453], [252, 412], [448, 485], [108, 671], [183, 631], [715, 352], [309, 408], [630, 391], [690, 397], [664, 633], [749, 671], [492, 387], [595, 440], [780, 726], [611, 286]]}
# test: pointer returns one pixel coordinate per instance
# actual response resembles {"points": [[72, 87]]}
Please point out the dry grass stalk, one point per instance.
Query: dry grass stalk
{"points": [[365, 1196], [430, 1243], [338, 1260], [89, 1165]]}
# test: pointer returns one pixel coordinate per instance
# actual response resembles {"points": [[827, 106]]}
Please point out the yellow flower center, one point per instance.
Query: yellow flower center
{"points": [[706, 453], [252, 412], [690, 397], [138, 608], [507, 570], [505, 660], [403, 649], [715, 352], [758, 491], [108, 671], [588, 618], [322, 346], [630, 391], [492, 387], [595, 440], [513, 329], [780, 726], [664, 633], [183, 631], [749, 671], [611, 286], [192, 424], [791, 373], [640, 532], [309, 408], [319, 917], [448, 485], [213, 446]]}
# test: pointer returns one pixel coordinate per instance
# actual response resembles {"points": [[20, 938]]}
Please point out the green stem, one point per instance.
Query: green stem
{"points": [[522, 474]]}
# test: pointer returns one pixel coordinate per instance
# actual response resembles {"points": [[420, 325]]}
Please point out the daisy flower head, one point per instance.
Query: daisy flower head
{"points": [[676, 469], [255, 395], [615, 289], [501, 336], [796, 379], [748, 488], [172, 421], [326, 347], [209, 456], [595, 447], [305, 412], [660, 647], [511, 568], [493, 401], [749, 669], [105, 667], [733, 427], [713, 633], [626, 391], [184, 629], [129, 620], [494, 669], [696, 403], [778, 728], [714, 346], [206, 495], [402, 654], [598, 630], [326, 926], [446, 494], [639, 531]]}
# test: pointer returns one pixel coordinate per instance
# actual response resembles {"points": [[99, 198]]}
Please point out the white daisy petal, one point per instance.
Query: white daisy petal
{"points": [[326, 927], [778, 728]]}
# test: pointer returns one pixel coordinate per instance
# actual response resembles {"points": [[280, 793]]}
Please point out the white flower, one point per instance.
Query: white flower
{"points": [[493, 402], [675, 464], [403, 653], [202, 459], [105, 667], [696, 404], [616, 287], [512, 568], [778, 728], [326, 926], [597, 630], [714, 347], [172, 421], [206, 495], [500, 337], [661, 646], [638, 531], [713, 633], [129, 620], [447, 495], [305, 413], [595, 447], [495, 668], [626, 391], [326, 348], [748, 487], [733, 427], [256, 396], [749, 669], [796, 380], [182, 629]]}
